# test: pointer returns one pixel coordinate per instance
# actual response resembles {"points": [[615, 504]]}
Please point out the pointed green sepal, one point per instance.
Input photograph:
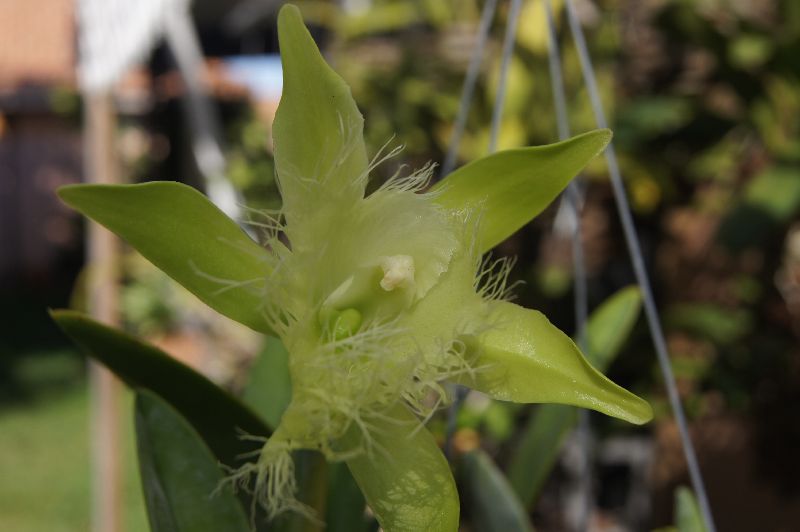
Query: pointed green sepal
{"points": [[512, 187], [180, 231], [318, 131], [406, 479], [525, 359]]}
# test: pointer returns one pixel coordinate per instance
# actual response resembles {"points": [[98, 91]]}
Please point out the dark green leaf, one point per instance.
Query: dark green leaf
{"points": [[217, 416], [346, 505], [180, 474]]}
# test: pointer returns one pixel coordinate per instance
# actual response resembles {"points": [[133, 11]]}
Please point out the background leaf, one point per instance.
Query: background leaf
{"points": [[269, 388], [180, 231], [493, 505], [346, 509], [180, 474], [687, 513]]}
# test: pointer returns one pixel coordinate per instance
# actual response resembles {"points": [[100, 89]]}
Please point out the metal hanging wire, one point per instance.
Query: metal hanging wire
{"points": [[640, 271], [470, 80], [571, 206], [573, 203], [497, 115]]}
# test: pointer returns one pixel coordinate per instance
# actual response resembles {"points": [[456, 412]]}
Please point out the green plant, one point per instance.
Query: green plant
{"points": [[378, 301]]}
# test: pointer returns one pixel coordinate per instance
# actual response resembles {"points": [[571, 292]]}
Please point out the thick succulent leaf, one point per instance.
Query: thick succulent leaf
{"points": [[180, 474], [406, 479], [318, 130], [513, 186], [217, 416], [687, 512], [269, 387], [494, 507], [525, 359], [540, 445], [179, 230]]}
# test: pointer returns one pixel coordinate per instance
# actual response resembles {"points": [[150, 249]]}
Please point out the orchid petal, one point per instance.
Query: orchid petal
{"points": [[180, 231], [525, 359], [318, 130], [512, 187]]}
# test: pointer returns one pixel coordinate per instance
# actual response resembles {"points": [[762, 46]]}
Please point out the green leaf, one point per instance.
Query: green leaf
{"points": [[610, 325], [540, 445], [538, 449], [406, 479], [318, 130], [180, 475], [346, 509], [217, 416], [176, 228], [494, 507], [687, 512], [525, 359], [311, 475], [269, 388], [514, 186]]}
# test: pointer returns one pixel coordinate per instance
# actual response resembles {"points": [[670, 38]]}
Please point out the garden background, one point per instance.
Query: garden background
{"points": [[704, 101]]}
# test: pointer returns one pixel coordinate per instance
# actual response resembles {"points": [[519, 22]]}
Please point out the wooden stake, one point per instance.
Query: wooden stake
{"points": [[103, 301]]}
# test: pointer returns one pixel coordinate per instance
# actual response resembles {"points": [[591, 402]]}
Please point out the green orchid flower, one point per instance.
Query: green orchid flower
{"points": [[379, 299]]}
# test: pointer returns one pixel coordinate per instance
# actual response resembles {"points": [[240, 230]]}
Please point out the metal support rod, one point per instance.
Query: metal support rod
{"points": [[642, 278], [103, 297], [508, 49], [468, 89]]}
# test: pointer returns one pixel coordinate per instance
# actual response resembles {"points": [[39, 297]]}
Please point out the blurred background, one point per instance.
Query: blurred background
{"points": [[704, 100]]}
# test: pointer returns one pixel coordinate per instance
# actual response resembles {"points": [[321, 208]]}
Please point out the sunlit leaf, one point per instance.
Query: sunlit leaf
{"points": [[406, 479], [525, 359], [180, 475], [494, 507], [180, 231], [512, 187]]}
